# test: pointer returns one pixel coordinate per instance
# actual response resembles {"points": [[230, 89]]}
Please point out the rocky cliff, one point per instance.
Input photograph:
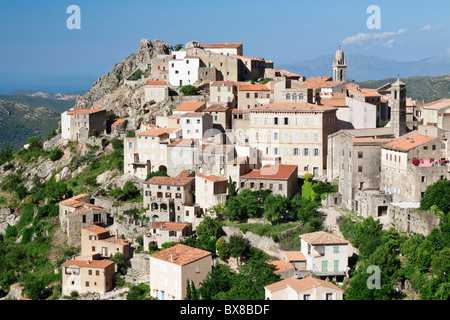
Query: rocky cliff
{"points": [[111, 93]]}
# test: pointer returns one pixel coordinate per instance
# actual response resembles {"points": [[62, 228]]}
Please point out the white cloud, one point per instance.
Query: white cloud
{"points": [[389, 43], [429, 27], [360, 37]]}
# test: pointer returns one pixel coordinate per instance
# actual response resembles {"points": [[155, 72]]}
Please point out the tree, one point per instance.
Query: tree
{"points": [[208, 228], [121, 262], [437, 194], [239, 246], [177, 47], [367, 236], [6, 154], [189, 90], [222, 248], [304, 208], [129, 191], [276, 208], [231, 187], [218, 280]]}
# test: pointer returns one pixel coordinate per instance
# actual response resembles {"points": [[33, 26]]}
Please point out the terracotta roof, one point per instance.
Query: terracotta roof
{"points": [[240, 111], [292, 106], [89, 263], [118, 121], [408, 141], [156, 83], [212, 177], [88, 111], [363, 91], [180, 142], [294, 255], [272, 172], [193, 115], [96, 229], [115, 240], [156, 132], [438, 104], [281, 265], [181, 254], [314, 82], [181, 179], [216, 108], [169, 225], [300, 284], [331, 83], [322, 237], [190, 106], [84, 207], [254, 87], [220, 45], [73, 202], [370, 140], [334, 102]]}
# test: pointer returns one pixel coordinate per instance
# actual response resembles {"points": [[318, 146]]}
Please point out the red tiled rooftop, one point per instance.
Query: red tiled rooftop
{"points": [[281, 265], [181, 179], [294, 255], [300, 284], [89, 263], [157, 131], [156, 83], [254, 87], [118, 121], [181, 254], [314, 82], [216, 108], [190, 106], [88, 111], [322, 237], [408, 142], [212, 177], [164, 225], [220, 45], [438, 104], [278, 172], [96, 229]]}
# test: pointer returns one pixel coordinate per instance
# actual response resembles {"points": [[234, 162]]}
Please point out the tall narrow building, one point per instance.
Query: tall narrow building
{"points": [[396, 92], [339, 67]]}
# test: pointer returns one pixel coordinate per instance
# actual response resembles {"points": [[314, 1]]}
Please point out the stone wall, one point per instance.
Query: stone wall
{"points": [[263, 243]]}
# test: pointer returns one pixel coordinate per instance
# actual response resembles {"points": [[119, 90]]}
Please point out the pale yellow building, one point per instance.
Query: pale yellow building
{"points": [[170, 269], [294, 132], [95, 239]]}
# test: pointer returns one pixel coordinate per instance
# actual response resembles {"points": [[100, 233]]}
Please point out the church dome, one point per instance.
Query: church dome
{"points": [[339, 55]]}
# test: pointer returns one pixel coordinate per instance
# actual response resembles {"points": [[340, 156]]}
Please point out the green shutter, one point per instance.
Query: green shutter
{"points": [[336, 265], [324, 266]]}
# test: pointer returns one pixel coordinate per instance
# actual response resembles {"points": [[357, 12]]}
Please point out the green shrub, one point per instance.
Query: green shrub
{"points": [[189, 90], [55, 154]]}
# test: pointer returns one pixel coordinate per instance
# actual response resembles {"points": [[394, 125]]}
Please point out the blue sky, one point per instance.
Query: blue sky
{"points": [[38, 51]]}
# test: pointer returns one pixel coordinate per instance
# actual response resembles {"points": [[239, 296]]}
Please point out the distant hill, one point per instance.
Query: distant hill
{"points": [[58, 106], [19, 122], [48, 95], [418, 88], [363, 67]]}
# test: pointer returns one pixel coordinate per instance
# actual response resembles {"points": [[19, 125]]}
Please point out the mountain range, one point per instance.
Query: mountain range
{"points": [[364, 67]]}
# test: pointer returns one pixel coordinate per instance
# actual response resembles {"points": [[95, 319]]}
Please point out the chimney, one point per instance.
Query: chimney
{"points": [[88, 261], [117, 234], [171, 257]]}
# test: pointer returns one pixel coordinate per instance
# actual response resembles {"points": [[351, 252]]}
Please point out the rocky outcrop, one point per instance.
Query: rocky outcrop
{"points": [[109, 91]]}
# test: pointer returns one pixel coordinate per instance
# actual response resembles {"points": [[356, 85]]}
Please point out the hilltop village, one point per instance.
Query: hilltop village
{"points": [[241, 127]]}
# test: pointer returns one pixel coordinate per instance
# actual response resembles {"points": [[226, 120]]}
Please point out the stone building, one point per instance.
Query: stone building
{"points": [[161, 232], [437, 114], [156, 90], [253, 95], [171, 268], [159, 67], [221, 116], [147, 151], [165, 198], [224, 92], [411, 163], [291, 90], [119, 126], [397, 100], [180, 155], [197, 125], [224, 48], [296, 132], [87, 274], [278, 74], [76, 213], [189, 107], [303, 289], [339, 66], [83, 123], [368, 96], [282, 179], [210, 190], [359, 165], [95, 239]]}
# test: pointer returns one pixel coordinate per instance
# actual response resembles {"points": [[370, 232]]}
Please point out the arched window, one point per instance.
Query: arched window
{"points": [[154, 206], [163, 206], [294, 96], [288, 96], [300, 97], [154, 218]]}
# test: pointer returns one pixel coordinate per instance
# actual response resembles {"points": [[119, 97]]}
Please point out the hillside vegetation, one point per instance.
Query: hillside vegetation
{"points": [[418, 88]]}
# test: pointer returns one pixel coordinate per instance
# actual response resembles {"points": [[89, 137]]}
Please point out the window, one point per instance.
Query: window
{"points": [[360, 155], [316, 152], [336, 249], [97, 272], [306, 297], [324, 266], [280, 187], [197, 269], [306, 152], [360, 169], [286, 121], [328, 296], [275, 120], [90, 272]]}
